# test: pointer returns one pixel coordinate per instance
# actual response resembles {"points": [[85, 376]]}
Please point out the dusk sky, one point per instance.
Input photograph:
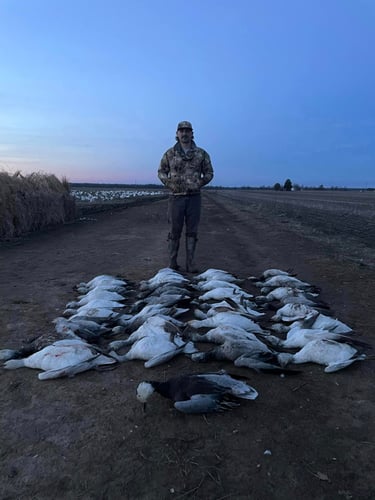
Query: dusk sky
{"points": [[93, 90]]}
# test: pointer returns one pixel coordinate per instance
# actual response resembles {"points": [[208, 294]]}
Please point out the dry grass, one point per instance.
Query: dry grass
{"points": [[33, 202]]}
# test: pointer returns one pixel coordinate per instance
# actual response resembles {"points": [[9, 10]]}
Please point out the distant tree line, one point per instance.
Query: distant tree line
{"points": [[287, 186]]}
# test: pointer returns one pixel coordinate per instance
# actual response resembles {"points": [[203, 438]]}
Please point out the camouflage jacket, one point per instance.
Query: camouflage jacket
{"points": [[185, 173]]}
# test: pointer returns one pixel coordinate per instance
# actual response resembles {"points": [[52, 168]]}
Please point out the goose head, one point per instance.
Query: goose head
{"points": [[144, 391]]}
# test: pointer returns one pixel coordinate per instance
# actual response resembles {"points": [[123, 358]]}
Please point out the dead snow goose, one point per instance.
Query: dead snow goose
{"points": [[103, 282], [205, 286], [97, 294], [220, 274], [103, 279], [59, 355], [292, 312], [282, 280], [316, 320], [199, 393], [299, 337], [227, 318], [96, 314], [165, 275], [224, 293], [334, 355], [269, 273], [162, 347]]}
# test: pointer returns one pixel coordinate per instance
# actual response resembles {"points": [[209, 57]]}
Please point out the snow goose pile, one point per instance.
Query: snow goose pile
{"points": [[275, 324]]}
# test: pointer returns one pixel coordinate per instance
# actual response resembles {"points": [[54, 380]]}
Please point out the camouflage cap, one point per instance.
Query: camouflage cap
{"points": [[185, 124]]}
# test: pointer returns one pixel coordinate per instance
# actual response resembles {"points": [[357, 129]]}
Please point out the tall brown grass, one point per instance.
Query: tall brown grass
{"points": [[33, 202]]}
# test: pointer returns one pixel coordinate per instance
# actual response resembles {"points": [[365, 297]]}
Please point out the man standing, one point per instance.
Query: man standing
{"points": [[184, 169]]}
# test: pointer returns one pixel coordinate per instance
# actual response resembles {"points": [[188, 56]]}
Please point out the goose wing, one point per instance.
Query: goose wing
{"points": [[206, 403]]}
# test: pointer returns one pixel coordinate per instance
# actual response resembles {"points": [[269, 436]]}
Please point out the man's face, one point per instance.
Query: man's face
{"points": [[184, 135]]}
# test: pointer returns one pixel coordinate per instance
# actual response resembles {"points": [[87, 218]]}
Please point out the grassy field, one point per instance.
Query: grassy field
{"points": [[33, 202]]}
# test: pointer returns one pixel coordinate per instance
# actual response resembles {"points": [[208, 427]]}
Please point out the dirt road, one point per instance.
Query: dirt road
{"points": [[87, 437]]}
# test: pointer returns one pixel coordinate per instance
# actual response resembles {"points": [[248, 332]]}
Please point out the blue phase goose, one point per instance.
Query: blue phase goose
{"points": [[199, 393], [251, 353], [85, 329]]}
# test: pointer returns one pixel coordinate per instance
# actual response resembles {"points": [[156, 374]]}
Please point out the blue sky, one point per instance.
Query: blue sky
{"points": [[275, 89]]}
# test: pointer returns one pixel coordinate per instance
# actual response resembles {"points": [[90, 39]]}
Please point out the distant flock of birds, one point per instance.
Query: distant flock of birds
{"points": [[285, 325]]}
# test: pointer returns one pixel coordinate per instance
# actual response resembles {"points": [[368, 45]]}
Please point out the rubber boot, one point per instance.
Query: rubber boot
{"points": [[173, 246], [191, 243]]}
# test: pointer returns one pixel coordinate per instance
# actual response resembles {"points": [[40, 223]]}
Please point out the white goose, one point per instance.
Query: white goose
{"points": [[223, 293], [334, 355], [155, 342], [299, 337], [214, 274], [293, 312], [60, 359], [227, 318], [96, 294], [104, 282], [165, 275], [315, 320]]}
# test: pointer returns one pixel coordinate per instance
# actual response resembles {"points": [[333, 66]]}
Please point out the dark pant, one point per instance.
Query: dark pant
{"points": [[184, 209]]}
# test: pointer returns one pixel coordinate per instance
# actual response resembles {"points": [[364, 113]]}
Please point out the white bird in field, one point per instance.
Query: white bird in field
{"points": [[283, 280], [205, 286], [61, 355], [227, 318], [223, 293], [299, 337], [315, 320], [220, 334], [92, 306], [269, 273], [165, 275], [238, 307], [96, 314], [334, 355], [289, 295], [134, 322], [96, 294], [156, 341], [104, 282], [292, 312], [217, 274], [199, 393]]}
